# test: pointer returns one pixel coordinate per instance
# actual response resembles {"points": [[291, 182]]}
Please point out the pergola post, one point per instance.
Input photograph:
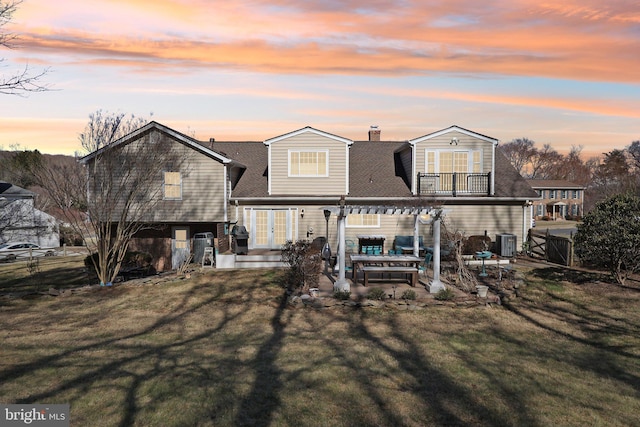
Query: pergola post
{"points": [[416, 235], [341, 211], [436, 285], [342, 284]]}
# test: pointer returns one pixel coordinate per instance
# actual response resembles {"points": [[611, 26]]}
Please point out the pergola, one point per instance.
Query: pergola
{"points": [[434, 214]]}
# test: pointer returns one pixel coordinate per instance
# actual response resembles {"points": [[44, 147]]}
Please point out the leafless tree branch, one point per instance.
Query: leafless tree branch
{"points": [[24, 81]]}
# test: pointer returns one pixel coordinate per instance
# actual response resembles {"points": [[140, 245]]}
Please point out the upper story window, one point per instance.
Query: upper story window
{"points": [[363, 220], [564, 194], [448, 161], [552, 194], [309, 163], [172, 186], [576, 194]]}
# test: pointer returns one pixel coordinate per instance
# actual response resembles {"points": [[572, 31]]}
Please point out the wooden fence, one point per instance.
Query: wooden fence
{"points": [[556, 249]]}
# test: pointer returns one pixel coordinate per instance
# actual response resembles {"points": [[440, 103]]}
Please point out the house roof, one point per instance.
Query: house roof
{"points": [[454, 128], [375, 167], [508, 182], [553, 184], [253, 157], [13, 191], [184, 139], [307, 129], [375, 171]]}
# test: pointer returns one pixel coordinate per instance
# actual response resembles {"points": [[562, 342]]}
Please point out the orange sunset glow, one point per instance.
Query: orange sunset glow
{"points": [[559, 73]]}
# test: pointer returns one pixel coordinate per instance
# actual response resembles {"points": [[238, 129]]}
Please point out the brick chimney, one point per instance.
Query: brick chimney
{"points": [[374, 133]]}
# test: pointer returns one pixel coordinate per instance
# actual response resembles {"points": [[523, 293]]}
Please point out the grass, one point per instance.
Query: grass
{"points": [[224, 348], [57, 271]]}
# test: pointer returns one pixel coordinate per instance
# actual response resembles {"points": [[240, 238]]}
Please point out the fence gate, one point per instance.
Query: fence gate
{"points": [[556, 249]]}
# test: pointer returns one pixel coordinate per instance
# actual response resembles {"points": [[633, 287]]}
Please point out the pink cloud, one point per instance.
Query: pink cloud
{"points": [[574, 40]]}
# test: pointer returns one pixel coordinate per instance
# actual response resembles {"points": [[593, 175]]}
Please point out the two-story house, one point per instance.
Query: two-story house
{"points": [[279, 188], [559, 199]]}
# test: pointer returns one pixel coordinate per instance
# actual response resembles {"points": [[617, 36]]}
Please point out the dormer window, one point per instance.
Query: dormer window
{"points": [[306, 163]]}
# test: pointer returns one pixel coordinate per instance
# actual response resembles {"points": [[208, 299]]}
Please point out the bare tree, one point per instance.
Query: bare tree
{"points": [[519, 152], [613, 176], [116, 186], [544, 163], [22, 81], [13, 215]]}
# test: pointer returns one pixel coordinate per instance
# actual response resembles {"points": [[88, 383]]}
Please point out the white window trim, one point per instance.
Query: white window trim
{"points": [[164, 184], [326, 172], [377, 225], [470, 162]]}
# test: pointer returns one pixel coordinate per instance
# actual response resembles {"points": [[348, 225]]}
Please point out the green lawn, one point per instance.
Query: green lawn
{"points": [[224, 349]]}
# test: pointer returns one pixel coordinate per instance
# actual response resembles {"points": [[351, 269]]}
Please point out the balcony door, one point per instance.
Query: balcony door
{"points": [[448, 163], [454, 162]]}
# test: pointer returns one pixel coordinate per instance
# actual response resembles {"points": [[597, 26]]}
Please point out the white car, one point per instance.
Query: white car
{"points": [[22, 250]]}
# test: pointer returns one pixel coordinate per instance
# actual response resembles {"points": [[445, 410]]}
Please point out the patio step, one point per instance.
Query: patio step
{"points": [[259, 261]]}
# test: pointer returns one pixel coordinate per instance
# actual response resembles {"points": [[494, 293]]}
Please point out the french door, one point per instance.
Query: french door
{"points": [[454, 162], [271, 228]]}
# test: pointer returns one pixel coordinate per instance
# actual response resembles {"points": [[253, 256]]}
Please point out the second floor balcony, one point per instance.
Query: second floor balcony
{"points": [[454, 184]]}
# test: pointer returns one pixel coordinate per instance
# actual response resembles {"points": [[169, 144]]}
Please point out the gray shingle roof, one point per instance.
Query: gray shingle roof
{"points": [[375, 171], [253, 155], [509, 183], [9, 190], [553, 184]]}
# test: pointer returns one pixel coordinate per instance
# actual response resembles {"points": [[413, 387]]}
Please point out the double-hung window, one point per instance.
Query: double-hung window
{"points": [[309, 163], [172, 186]]}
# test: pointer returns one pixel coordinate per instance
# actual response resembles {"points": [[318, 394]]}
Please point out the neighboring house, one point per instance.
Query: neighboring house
{"points": [[559, 199], [277, 188], [21, 221]]}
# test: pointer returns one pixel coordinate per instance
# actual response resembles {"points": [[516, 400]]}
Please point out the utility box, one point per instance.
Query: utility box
{"points": [[506, 245], [201, 241]]}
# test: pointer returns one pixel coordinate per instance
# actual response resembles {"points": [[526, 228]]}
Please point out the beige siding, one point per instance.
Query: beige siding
{"points": [[498, 219], [202, 191], [471, 220], [202, 182], [465, 142], [283, 184]]}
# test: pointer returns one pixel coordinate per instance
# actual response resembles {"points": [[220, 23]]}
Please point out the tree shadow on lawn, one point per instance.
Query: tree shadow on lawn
{"points": [[160, 361], [147, 375], [443, 400], [581, 276], [607, 331], [60, 278]]}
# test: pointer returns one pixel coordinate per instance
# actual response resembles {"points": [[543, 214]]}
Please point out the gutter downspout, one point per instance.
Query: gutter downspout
{"points": [[226, 198]]}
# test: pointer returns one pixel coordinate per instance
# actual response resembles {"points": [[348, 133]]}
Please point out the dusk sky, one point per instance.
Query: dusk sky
{"points": [[558, 72]]}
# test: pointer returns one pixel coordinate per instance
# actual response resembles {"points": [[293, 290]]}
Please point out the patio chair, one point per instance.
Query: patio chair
{"points": [[428, 257]]}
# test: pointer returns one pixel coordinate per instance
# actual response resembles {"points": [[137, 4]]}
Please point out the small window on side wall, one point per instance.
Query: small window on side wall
{"points": [[172, 186], [363, 220]]}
